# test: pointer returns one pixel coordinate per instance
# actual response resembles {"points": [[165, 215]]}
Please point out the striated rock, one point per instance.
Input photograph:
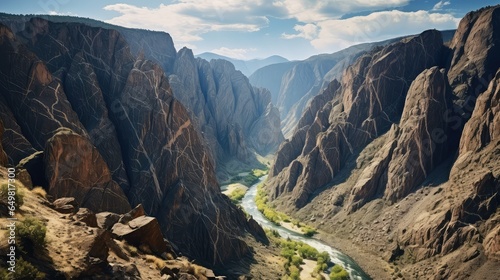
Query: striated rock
{"points": [[423, 137], [73, 167], [372, 96], [475, 60], [235, 118], [131, 143], [29, 80], [484, 125], [14, 143]]}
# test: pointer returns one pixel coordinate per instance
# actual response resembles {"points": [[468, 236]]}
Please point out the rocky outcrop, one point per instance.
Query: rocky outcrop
{"points": [[425, 191], [474, 61], [113, 135], [75, 168], [423, 137], [371, 98], [294, 84], [142, 231]]}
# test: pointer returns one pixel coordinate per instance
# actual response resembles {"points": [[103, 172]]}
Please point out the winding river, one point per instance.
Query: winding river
{"points": [[248, 203]]}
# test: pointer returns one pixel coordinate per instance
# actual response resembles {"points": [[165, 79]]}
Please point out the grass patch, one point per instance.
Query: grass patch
{"points": [[237, 195], [39, 191], [261, 201], [250, 179]]}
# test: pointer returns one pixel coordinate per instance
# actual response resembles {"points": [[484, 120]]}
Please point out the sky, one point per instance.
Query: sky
{"points": [[246, 29]]}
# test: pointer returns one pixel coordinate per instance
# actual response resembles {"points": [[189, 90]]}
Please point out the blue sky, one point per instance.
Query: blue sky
{"points": [[295, 29]]}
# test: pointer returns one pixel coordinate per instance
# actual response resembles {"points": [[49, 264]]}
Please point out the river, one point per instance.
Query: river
{"points": [[248, 203]]}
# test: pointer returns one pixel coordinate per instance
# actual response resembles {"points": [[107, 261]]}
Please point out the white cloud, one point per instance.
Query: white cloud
{"points": [[308, 31], [313, 11], [439, 5], [186, 20], [337, 34], [234, 53]]}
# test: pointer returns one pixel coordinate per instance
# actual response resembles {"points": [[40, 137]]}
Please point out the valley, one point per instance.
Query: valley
{"points": [[378, 161]]}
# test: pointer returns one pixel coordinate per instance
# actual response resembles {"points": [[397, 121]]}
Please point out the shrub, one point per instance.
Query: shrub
{"points": [[25, 270], [287, 253], [18, 195], [237, 195], [339, 273], [296, 260], [31, 233], [294, 273], [308, 231]]}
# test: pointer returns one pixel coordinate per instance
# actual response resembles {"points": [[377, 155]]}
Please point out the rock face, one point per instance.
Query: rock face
{"points": [[294, 84], [236, 119], [410, 147], [113, 135], [370, 97], [75, 168]]}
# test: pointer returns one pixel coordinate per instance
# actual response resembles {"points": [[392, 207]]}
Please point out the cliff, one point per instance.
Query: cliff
{"points": [[401, 154], [111, 134]]}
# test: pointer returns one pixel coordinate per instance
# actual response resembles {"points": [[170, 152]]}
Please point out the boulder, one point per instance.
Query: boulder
{"points": [[137, 212], [65, 205], [142, 231]]}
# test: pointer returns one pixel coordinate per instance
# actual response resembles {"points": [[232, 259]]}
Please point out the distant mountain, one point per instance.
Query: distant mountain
{"points": [[247, 67], [293, 84]]}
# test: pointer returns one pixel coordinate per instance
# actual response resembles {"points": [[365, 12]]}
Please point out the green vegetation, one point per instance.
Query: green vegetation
{"points": [[339, 273], [294, 253], [261, 201], [237, 195], [18, 195], [31, 234], [250, 179], [24, 270]]}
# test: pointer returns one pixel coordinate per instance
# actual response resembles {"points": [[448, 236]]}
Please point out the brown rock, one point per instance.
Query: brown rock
{"points": [[34, 165], [475, 60], [423, 140], [371, 98], [106, 220], [86, 216], [75, 168], [137, 212], [142, 231], [491, 244], [65, 205]]}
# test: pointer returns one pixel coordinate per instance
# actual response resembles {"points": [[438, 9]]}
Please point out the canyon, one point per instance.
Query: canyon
{"points": [[391, 150]]}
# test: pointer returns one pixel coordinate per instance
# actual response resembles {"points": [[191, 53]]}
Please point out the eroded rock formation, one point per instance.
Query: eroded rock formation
{"points": [[78, 93]]}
